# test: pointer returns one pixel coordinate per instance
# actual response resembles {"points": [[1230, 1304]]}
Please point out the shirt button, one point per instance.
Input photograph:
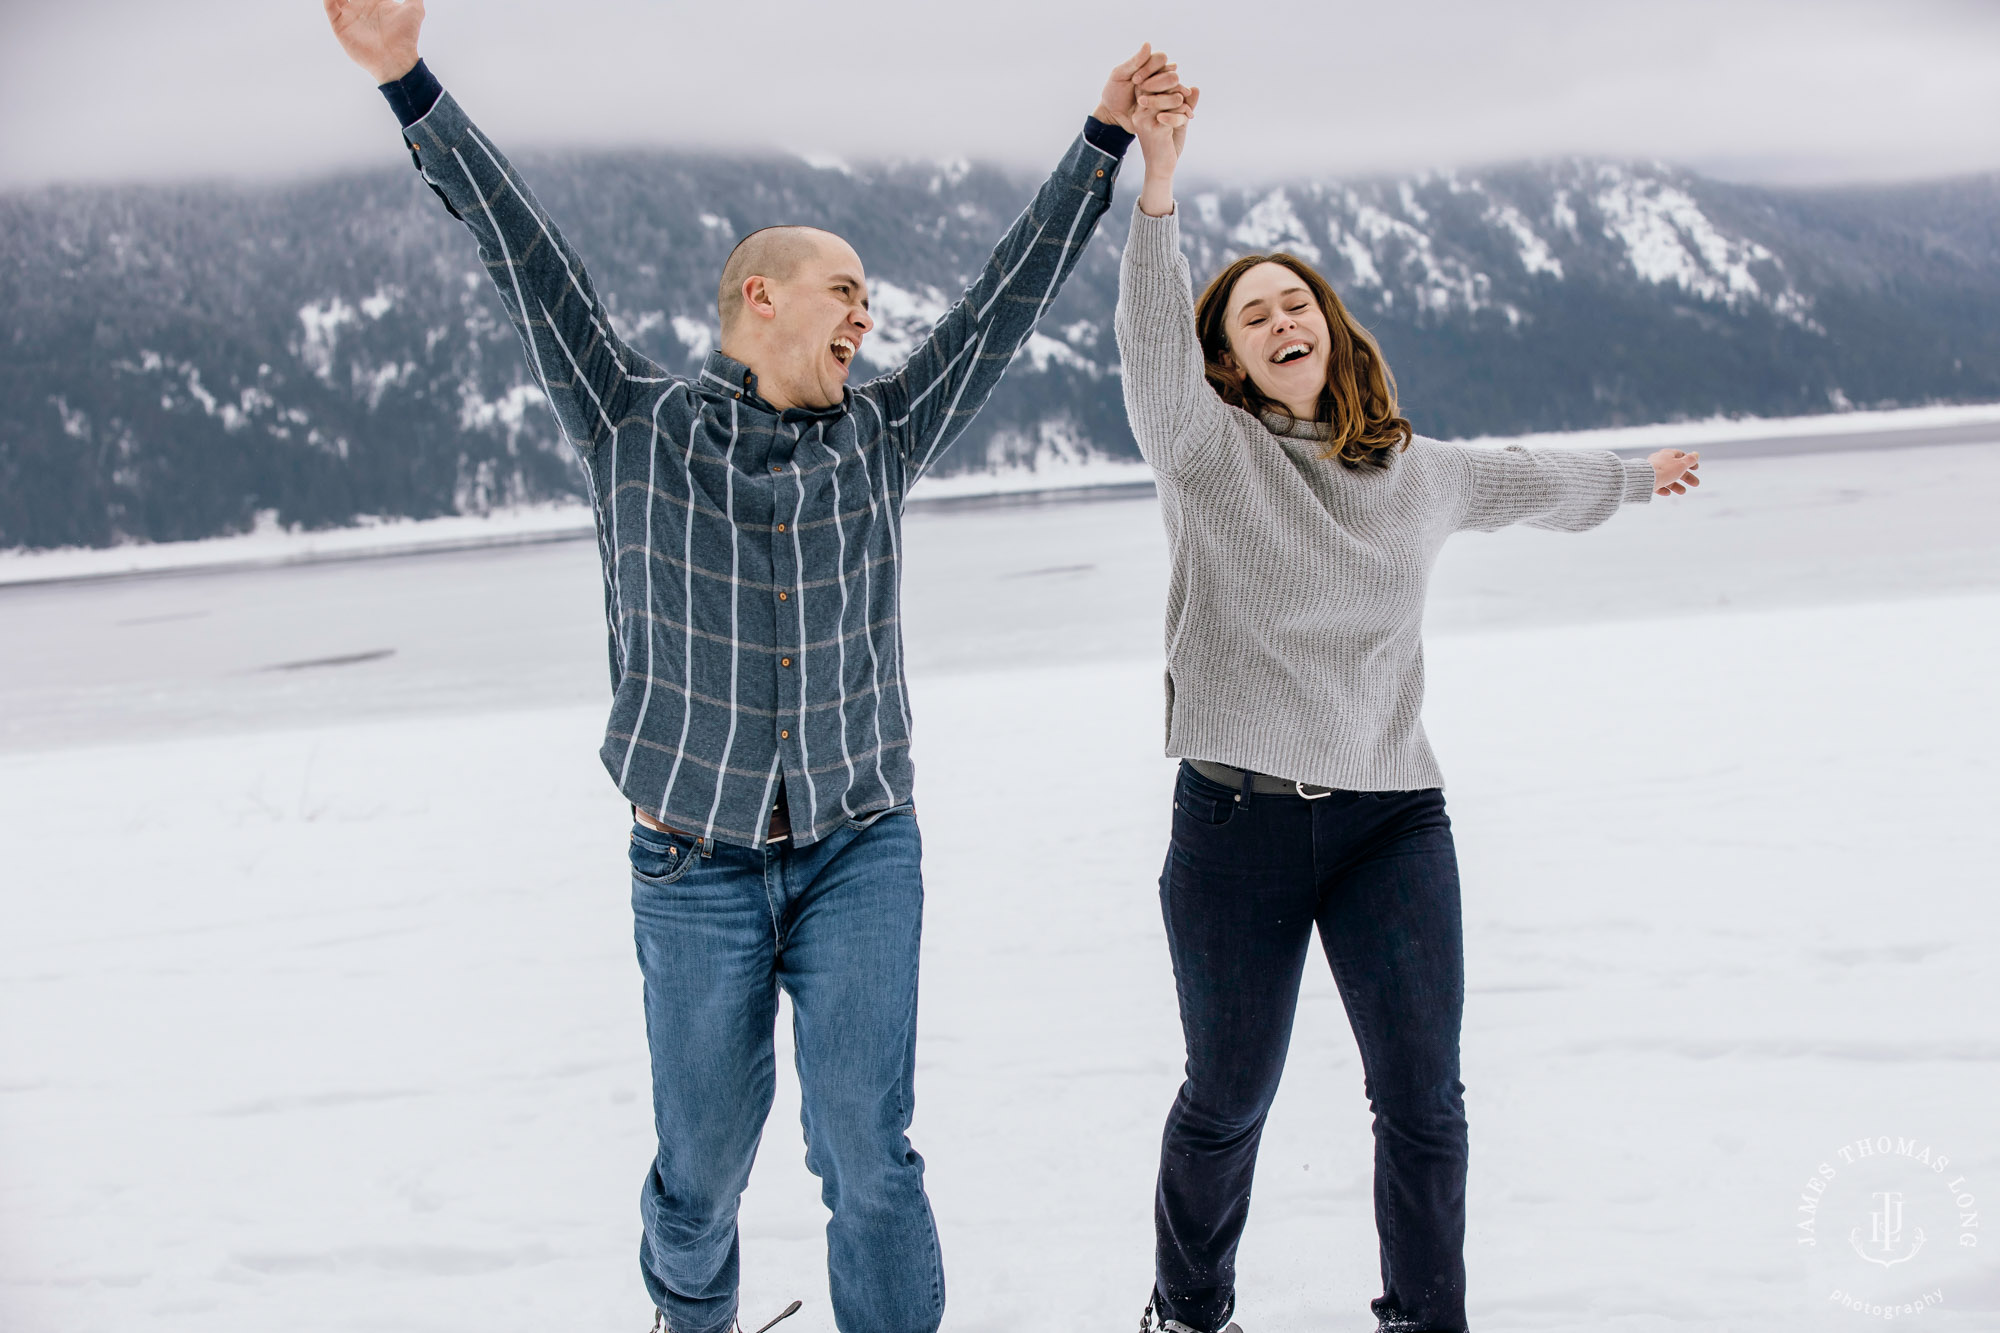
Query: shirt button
{"points": [[1100, 173], [781, 527], [776, 468], [784, 597], [784, 735], [784, 661]]}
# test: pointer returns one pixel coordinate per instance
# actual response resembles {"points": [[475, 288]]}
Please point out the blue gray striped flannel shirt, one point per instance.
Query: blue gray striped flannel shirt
{"points": [[751, 556]]}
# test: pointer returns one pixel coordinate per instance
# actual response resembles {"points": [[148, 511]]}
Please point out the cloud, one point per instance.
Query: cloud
{"points": [[1761, 89]]}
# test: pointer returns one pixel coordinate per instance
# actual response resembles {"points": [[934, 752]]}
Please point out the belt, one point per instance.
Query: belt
{"points": [[780, 829], [1261, 784]]}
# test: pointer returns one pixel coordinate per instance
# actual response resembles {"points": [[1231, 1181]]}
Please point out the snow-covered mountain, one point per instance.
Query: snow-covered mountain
{"points": [[177, 361]]}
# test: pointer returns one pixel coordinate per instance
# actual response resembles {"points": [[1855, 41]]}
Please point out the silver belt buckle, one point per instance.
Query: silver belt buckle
{"points": [[1300, 787]]}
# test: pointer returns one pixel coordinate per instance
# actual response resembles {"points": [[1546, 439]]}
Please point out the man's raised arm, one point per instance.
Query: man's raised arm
{"points": [[948, 378], [576, 357]]}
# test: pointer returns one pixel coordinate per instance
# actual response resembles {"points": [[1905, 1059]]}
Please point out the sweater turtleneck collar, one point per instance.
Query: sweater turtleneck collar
{"points": [[1280, 424]]}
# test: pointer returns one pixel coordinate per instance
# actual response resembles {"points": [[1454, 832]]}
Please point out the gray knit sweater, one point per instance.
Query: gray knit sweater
{"points": [[1296, 601]]}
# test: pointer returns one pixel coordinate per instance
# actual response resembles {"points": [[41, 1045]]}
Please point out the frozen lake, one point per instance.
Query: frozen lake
{"points": [[985, 588], [318, 1010]]}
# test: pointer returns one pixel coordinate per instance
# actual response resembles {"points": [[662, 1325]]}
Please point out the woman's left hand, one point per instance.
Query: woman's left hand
{"points": [[1674, 472]]}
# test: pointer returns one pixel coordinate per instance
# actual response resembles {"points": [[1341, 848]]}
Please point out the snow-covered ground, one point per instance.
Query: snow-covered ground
{"points": [[274, 545], [320, 1010], [1727, 430]]}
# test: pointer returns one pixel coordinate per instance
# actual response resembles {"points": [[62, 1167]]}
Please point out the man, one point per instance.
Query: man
{"points": [[748, 520]]}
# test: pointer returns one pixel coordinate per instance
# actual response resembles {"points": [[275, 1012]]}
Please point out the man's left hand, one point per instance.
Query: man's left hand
{"points": [[1147, 72]]}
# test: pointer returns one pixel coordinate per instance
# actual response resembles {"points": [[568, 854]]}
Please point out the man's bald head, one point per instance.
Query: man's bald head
{"points": [[794, 308], [776, 253]]}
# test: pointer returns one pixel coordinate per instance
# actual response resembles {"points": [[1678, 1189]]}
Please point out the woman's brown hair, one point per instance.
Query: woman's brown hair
{"points": [[1359, 401]]}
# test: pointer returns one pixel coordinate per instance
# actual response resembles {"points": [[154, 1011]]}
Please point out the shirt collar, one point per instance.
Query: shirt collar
{"points": [[725, 374]]}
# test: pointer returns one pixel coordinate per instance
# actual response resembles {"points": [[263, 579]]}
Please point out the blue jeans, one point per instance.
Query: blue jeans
{"points": [[1246, 882], [836, 924]]}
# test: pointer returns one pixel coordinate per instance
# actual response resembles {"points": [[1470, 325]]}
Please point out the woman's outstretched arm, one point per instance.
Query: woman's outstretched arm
{"points": [[1562, 489], [1175, 415]]}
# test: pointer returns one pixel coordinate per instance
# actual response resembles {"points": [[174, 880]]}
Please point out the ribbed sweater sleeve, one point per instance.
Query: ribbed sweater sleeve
{"points": [[1175, 415], [1558, 489]]}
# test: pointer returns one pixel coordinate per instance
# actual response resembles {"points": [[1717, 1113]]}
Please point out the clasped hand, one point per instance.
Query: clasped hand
{"points": [[1146, 98]]}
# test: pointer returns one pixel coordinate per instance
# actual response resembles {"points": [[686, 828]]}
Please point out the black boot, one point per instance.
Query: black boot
{"points": [[1152, 1322]]}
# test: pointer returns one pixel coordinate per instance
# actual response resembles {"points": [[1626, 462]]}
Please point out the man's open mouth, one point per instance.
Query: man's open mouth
{"points": [[1290, 352], [843, 350]]}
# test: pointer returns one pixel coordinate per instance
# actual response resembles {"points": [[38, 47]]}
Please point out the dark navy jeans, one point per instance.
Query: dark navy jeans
{"points": [[836, 924], [1247, 880]]}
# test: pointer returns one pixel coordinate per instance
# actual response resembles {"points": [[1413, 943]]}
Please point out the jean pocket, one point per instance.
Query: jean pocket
{"points": [[868, 819], [1201, 801], [660, 858]]}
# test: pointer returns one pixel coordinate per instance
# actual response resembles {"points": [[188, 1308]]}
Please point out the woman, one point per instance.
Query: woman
{"points": [[1303, 516]]}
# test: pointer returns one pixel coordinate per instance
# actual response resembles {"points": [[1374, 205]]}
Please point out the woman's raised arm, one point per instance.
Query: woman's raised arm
{"points": [[1174, 413]]}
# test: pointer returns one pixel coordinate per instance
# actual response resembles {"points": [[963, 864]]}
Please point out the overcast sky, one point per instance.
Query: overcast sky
{"points": [[1768, 90]]}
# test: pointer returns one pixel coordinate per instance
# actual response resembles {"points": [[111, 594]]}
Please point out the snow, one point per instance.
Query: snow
{"points": [[904, 317], [322, 324], [694, 335], [284, 546], [1563, 214], [1536, 257], [633, 327], [1723, 430], [1411, 207], [1669, 240], [826, 162], [1042, 351], [381, 301], [1273, 224], [1446, 280], [75, 423], [1355, 251], [507, 411], [1044, 470], [1049, 470], [320, 1009]]}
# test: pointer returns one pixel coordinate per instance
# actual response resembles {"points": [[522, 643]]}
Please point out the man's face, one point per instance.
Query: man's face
{"points": [[819, 317]]}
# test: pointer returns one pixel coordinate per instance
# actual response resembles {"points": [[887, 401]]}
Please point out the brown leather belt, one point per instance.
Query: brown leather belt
{"points": [[779, 831]]}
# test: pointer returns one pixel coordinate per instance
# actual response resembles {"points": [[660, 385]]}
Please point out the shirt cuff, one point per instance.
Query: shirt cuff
{"points": [[1104, 138], [412, 96]]}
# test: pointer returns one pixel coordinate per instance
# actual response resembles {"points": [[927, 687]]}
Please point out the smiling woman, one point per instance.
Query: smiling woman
{"points": [[1308, 798], [1277, 338]]}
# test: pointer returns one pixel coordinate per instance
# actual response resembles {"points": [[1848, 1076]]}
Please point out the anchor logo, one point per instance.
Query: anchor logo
{"points": [[1886, 1232]]}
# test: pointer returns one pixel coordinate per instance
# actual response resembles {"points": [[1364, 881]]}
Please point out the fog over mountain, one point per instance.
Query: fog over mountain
{"points": [[178, 360]]}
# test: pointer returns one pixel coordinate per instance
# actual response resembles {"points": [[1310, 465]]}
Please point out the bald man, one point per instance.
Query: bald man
{"points": [[748, 520]]}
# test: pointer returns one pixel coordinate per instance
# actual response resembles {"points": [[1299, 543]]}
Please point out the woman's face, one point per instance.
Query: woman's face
{"points": [[1277, 335]]}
